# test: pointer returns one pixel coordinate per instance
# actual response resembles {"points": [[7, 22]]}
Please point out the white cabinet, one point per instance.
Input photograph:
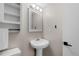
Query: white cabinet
{"points": [[10, 16]]}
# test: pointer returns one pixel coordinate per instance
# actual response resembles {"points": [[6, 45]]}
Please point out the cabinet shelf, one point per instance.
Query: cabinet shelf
{"points": [[11, 22], [11, 14], [13, 5], [14, 30]]}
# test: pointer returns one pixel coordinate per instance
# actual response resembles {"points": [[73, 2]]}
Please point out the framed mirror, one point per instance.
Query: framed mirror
{"points": [[35, 21]]}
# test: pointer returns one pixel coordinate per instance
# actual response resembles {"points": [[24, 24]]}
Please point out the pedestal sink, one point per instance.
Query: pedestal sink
{"points": [[39, 44]]}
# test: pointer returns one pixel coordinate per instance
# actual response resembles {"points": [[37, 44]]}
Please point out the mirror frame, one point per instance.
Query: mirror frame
{"points": [[30, 22]]}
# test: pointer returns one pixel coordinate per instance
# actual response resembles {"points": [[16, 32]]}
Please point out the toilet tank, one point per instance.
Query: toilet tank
{"points": [[3, 38]]}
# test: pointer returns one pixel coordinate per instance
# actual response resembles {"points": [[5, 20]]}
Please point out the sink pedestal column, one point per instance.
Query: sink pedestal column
{"points": [[39, 51]]}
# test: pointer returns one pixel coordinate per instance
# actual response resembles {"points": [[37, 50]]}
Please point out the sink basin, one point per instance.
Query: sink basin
{"points": [[39, 44]]}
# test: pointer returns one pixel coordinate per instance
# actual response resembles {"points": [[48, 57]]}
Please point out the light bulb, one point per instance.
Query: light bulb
{"points": [[40, 10], [37, 8], [33, 5]]}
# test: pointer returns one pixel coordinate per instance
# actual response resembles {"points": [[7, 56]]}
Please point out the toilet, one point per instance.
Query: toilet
{"points": [[11, 52], [4, 40]]}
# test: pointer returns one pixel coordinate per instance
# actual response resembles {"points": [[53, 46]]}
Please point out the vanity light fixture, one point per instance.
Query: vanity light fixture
{"points": [[36, 7]]}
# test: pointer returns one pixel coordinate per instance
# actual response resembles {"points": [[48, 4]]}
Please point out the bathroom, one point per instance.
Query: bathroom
{"points": [[21, 23]]}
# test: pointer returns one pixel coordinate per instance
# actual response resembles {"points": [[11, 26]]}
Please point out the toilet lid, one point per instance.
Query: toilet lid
{"points": [[10, 52]]}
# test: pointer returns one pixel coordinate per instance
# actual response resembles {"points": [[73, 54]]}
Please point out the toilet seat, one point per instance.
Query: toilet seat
{"points": [[11, 52]]}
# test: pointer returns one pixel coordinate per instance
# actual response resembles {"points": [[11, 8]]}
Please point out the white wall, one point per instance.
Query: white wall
{"points": [[71, 28], [53, 16], [66, 16]]}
